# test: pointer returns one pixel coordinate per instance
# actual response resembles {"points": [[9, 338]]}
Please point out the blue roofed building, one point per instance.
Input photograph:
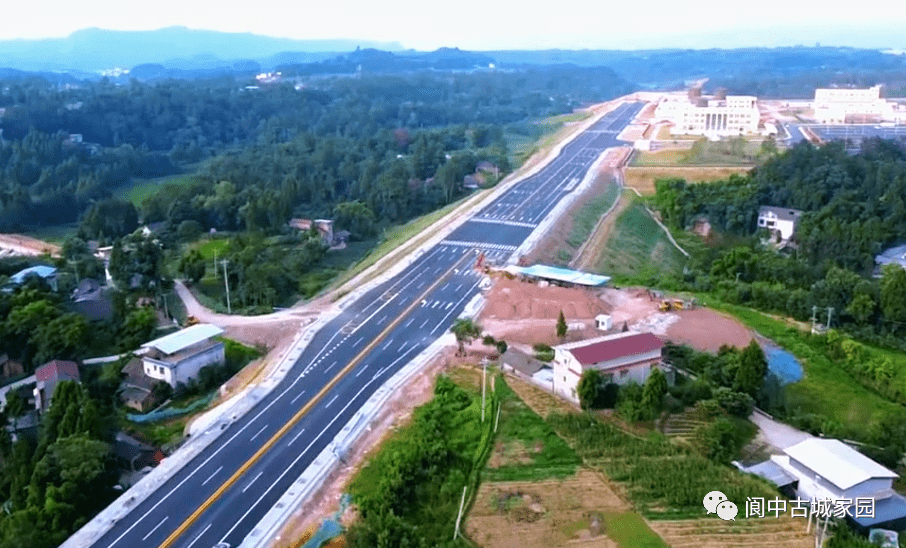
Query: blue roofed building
{"points": [[561, 276], [46, 273]]}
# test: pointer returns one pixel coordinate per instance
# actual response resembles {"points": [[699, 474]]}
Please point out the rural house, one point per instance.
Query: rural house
{"points": [[825, 469], [779, 220], [621, 358], [48, 376], [178, 357]]}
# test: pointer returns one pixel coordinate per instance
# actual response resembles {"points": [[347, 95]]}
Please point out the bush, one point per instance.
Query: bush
{"points": [[718, 441], [693, 392], [706, 410], [501, 346], [735, 403]]}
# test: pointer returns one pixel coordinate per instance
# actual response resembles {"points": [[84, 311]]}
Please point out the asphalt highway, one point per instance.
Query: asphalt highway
{"points": [[372, 339]]}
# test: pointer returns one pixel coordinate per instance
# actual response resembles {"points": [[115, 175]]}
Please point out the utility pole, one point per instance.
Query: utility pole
{"points": [[830, 311], [226, 282], [484, 375], [215, 264], [814, 319]]}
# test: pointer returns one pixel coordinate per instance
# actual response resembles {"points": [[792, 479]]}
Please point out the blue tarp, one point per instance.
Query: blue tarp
{"points": [[782, 364], [330, 528]]}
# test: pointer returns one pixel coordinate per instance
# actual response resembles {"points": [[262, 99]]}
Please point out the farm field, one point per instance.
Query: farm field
{"points": [[769, 532], [642, 178]]}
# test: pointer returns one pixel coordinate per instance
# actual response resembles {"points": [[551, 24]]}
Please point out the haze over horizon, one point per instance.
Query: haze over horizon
{"points": [[483, 26]]}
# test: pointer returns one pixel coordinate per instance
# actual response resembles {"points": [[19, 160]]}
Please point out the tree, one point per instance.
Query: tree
{"points": [[893, 293], [561, 326], [753, 366], [193, 265], [654, 391], [465, 331], [589, 388], [861, 308], [734, 403], [189, 230]]}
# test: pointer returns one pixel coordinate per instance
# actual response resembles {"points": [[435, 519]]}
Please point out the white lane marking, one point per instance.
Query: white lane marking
{"points": [[253, 481], [383, 318], [449, 305], [331, 366], [331, 401], [465, 296], [259, 432], [407, 324], [424, 323], [201, 534], [296, 436], [302, 393], [361, 370], [144, 538], [434, 304], [402, 347], [212, 475], [195, 471], [302, 454]]}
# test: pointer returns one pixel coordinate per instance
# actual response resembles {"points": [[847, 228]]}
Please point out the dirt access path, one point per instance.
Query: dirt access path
{"points": [[597, 242]]}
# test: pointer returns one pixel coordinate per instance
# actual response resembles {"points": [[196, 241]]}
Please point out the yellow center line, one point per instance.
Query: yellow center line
{"points": [[179, 531]]}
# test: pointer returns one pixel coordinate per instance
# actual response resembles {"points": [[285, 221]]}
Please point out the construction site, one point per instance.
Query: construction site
{"points": [[523, 310]]}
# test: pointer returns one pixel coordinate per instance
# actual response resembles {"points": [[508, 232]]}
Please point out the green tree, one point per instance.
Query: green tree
{"points": [[64, 337], [137, 328], [561, 326], [589, 388], [193, 265], [654, 391], [465, 331], [753, 366], [861, 308], [893, 293]]}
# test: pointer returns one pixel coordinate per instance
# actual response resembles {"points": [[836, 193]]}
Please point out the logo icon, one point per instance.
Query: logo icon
{"points": [[712, 499], [727, 511]]}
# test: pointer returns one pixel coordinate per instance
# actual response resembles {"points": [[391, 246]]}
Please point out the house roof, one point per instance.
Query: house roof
{"points": [[560, 274], [837, 462], [782, 213], [885, 510], [521, 361], [613, 347], [40, 270], [87, 289], [772, 472], [57, 370], [185, 338]]}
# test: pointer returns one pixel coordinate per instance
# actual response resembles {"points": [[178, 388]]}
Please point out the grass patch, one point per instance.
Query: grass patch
{"points": [[638, 246], [212, 247], [525, 139], [629, 530], [159, 433], [584, 221], [138, 189], [702, 153], [826, 389], [527, 447], [55, 234]]}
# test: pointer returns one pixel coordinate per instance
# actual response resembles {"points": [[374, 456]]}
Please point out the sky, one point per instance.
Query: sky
{"points": [[486, 25]]}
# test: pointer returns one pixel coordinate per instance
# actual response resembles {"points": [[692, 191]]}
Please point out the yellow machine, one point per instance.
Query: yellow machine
{"points": [[665, 306], [677, 304]]}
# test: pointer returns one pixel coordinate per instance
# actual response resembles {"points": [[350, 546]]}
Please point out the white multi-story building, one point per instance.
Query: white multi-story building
{"points": [[836, 106], [621, 358], [178, 357], [780, 220], [736, 115]]}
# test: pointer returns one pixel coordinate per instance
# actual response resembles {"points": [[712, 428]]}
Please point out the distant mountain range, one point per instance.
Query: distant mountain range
{"points": [[93, 50]]}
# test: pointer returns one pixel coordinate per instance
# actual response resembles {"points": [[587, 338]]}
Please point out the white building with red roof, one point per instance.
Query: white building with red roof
{"points": [[621, 358]]}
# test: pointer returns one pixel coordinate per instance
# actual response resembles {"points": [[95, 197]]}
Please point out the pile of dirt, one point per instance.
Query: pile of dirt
{"points": [[524, 312]]}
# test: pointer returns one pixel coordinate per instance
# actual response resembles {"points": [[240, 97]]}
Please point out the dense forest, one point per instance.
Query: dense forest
{"points": [[67, 147]]}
